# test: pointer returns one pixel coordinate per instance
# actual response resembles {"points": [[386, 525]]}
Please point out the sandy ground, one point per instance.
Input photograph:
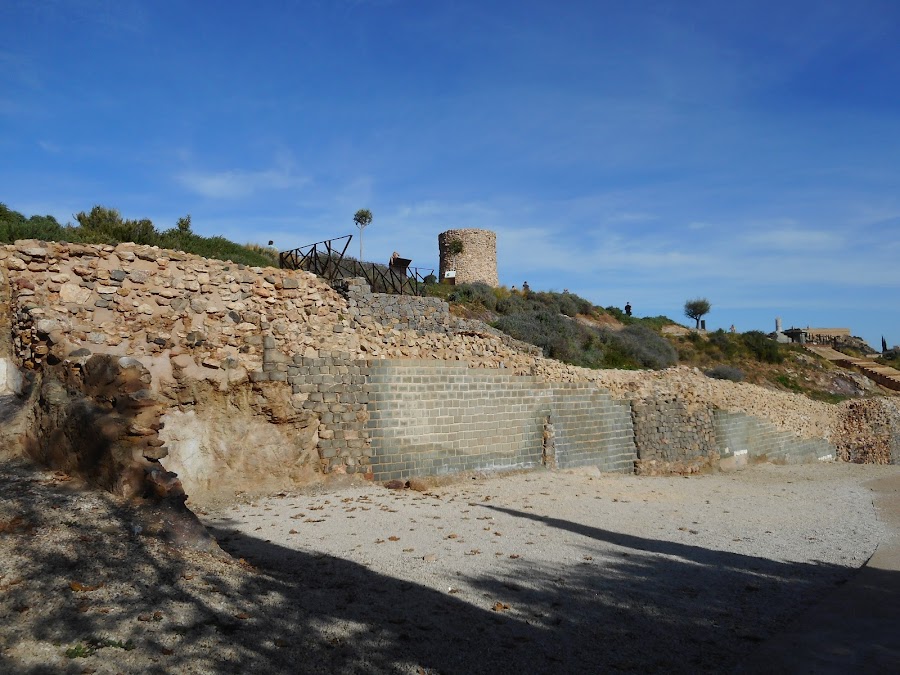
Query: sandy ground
{"points": [[537, 572]]}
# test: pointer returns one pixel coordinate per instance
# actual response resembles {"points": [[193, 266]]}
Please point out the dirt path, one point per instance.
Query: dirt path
{"points": [[538, 572]]}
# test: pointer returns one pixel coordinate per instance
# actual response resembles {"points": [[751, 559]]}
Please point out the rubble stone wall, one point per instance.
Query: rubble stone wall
{"points": [[672, 435], [478, 260], [670, 430], [231, 356], [869, 432], [398, 312]]}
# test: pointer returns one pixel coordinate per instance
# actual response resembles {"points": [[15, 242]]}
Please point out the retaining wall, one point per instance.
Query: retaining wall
{"points": [[433, 418], [738, 434]]}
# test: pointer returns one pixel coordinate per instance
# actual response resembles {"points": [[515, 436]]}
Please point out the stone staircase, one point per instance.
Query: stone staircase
{"points": [[884, 375]]}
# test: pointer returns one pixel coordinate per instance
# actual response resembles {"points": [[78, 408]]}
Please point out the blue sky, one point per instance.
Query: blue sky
{"points": [[629, 151]]}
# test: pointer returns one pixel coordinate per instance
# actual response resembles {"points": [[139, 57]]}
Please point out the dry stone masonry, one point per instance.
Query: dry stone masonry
{"points": [[242, 379], [471, 254]]}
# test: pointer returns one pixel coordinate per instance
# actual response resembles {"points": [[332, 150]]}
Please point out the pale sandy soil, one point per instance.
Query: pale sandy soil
{"points": [[530, 573]]}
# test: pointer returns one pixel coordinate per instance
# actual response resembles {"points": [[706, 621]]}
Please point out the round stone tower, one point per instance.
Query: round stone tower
{"points": [[471, 254]]}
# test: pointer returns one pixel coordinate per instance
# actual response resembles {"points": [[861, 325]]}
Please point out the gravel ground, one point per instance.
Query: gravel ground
{"points": [[537, 572]]}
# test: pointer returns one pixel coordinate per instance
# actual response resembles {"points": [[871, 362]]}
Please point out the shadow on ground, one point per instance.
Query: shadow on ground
{"points": [[652, 607]]}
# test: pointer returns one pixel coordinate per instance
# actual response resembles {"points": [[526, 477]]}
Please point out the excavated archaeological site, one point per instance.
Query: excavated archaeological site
{"points": [[277, 406]]}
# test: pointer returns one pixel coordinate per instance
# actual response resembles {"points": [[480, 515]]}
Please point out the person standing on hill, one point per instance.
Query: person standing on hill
{"points": [[627, 308]]}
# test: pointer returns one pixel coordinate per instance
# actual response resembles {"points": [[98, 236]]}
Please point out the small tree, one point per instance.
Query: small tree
{"points": [[362, 218], [696, 308], [184, 224]]}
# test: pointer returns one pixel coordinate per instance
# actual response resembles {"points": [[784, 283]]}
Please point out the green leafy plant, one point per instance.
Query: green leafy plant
{"points": [[455, 247], [102, 225], [763, 348]]}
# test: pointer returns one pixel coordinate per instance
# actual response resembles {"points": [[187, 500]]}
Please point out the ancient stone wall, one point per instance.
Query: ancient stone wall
{"points": [[674, 435], [6, 349], [868, 431], [477, 261], [264, 378]]}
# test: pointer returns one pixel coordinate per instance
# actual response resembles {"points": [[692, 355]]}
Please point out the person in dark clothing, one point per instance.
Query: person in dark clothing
{"points": [[627, 309]]}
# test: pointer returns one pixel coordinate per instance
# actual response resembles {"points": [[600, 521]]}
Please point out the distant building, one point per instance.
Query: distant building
{"points": [[817, 335]]}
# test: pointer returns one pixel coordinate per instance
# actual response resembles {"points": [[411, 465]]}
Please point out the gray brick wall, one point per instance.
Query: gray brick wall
{"points": [[434, 417], [738, 433], [590, 428]]}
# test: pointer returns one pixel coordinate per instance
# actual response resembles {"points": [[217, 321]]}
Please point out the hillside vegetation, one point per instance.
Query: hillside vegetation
{"points": [[565, 326], [574, 330], [103, 225]]}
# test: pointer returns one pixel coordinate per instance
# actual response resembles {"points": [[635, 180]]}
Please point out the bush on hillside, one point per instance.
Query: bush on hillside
{"points": [[644, 346], [13, 226], [726, 373], [725, 344], [106, 226], [476, 293], [763, 348]]}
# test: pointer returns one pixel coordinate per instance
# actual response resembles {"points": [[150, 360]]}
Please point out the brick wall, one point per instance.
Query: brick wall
{"points": [[590, 428], [427, 417], [740, 433]]}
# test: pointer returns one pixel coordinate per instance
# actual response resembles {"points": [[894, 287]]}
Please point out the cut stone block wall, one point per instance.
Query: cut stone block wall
{"points": [[438, 418], [590, 428], [738, 433], [427, 417]]}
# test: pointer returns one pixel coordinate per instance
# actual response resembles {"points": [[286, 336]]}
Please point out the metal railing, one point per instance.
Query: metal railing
{"points": [[327, 260]]}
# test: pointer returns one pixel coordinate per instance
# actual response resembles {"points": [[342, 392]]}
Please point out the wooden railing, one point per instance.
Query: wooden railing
{"points": [[327, 260]]}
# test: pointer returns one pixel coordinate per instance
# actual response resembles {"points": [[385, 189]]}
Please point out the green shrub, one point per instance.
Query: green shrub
{"points": [[763, 348], [106, 226], [476, 293], [726, 373], [13, 226], [645, 347]]}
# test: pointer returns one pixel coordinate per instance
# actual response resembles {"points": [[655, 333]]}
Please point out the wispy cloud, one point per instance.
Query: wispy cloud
{"points": [[237, 183], [793, 239]]}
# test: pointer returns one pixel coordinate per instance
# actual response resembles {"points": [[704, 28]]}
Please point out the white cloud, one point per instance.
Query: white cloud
{"points": [[236, 183], [794, 239]]}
